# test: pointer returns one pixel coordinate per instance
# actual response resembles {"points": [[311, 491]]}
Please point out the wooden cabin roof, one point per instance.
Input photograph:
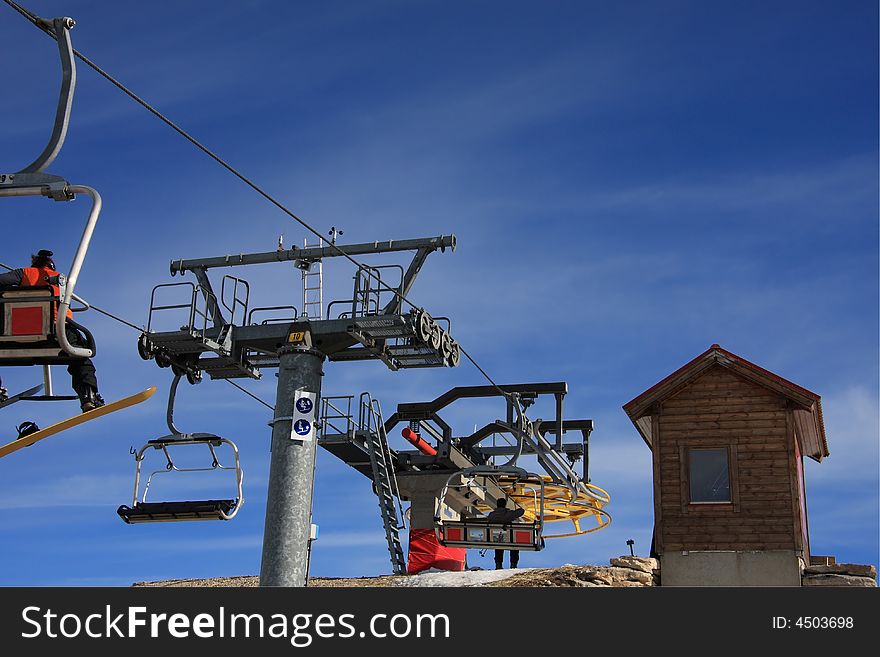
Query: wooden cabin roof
{"points": [[809, 423]]}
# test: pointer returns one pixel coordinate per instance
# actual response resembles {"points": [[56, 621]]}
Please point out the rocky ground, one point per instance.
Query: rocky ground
{"points": [[623, 571]]}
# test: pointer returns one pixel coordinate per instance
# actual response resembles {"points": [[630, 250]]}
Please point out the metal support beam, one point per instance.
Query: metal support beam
{"points": [[393, 307], [47, 381], [559, 422], [586, 435], [291, 474], [416, 410], [314, 253], [211, 306]]}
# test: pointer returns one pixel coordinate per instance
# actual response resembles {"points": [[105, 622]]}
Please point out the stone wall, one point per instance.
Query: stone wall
{"points": [[840, 574]]}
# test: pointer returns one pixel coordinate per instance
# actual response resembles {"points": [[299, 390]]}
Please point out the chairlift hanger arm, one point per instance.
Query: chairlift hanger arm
{"points": [[60, 27], [314, 253], [169, 413], [32, 174]]}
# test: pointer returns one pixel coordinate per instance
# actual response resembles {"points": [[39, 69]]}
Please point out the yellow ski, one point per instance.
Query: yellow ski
{"points": [[58, 427]]}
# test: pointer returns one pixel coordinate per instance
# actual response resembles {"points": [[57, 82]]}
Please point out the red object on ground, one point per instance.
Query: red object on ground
{"points": [[425, 552], [419, 442]]}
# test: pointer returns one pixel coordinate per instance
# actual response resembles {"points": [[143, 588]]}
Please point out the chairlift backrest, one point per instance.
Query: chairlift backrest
{"points": [[26, 314], [29, 329]]}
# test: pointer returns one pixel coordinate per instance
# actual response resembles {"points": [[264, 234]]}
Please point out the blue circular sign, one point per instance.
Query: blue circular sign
{"points": [[302, 427], [304, 405]]}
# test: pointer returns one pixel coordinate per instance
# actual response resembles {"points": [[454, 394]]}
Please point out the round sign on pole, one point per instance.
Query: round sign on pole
{"points": [[302, 427], [304, 405]]}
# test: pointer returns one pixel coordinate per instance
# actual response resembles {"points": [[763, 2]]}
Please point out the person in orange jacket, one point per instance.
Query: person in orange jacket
{"points": [[82, 371]]}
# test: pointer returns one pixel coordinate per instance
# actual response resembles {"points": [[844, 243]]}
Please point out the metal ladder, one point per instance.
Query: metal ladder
{"points": [[313, 288], [372, 426]]}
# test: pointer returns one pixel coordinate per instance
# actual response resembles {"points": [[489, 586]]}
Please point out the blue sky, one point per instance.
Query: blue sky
{"points": [[629, 183]]}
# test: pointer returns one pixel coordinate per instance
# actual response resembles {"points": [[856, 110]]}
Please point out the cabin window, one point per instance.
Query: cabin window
{"points": [[709, 476]]}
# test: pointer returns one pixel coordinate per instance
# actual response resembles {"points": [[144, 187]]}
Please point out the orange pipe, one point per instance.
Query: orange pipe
{"points": [[418, 442]]}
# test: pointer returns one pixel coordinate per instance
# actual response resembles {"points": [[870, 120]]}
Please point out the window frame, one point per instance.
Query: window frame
{"points": [[688, 506]]}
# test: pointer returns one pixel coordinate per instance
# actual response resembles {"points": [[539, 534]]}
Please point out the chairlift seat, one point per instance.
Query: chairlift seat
{"points": [[177, 511]]}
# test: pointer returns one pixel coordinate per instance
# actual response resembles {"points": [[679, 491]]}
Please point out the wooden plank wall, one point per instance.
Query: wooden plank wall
{"points": [[720, 408]]}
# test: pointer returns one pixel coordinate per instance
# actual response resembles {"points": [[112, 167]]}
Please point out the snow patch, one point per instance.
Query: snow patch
{"points": [[463, 578]]}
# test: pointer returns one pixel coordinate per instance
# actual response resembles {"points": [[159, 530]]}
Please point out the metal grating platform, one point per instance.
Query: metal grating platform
{"points": [[178, 343], [384, 327], [228, 368]]}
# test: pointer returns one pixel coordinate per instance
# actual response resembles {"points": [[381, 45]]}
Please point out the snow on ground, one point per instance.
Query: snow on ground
{"points": [[464, 578]]}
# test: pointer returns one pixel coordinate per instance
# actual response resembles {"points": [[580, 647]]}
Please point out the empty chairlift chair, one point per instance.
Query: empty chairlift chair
{"points": [[143, 511]]}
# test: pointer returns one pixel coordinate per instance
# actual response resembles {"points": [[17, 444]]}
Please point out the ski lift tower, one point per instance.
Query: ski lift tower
{"points": [[222, 338]]}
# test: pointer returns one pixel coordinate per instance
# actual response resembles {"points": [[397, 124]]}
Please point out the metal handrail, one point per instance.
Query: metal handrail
{"points": [[236, 302], [369, 297], [154, 307], [267, 308], [326, 418], [197, 292]]}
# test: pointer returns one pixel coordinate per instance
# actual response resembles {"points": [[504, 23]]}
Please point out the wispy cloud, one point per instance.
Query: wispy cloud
{"points": [[852, 423]]}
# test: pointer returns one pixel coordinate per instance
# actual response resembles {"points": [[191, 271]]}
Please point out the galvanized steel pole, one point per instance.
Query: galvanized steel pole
{"points": [[291, 474]]}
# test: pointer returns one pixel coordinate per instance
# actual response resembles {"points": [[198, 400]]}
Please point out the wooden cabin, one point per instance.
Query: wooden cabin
{"points": [[728, 440]]}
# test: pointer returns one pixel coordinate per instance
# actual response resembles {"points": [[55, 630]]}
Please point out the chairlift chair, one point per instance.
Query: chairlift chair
{"points": [[143, 511], [33, 320], [477, 532]]}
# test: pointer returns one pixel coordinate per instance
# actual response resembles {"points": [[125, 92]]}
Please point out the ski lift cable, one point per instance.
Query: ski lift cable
{"points": [[250, 394], [36, 21], [95, 308], [141, 329]]}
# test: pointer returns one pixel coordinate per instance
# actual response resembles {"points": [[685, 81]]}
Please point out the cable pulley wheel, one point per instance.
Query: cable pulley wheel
{"points": [[454, 355], [436, 337], [144, 347], [445, 346], [424, 327]]}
